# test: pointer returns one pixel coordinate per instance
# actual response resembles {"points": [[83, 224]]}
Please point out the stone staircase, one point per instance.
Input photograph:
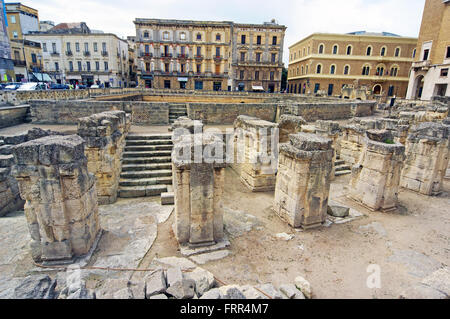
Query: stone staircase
{"points": [[147, 167], [177, 110], [341, 167]]}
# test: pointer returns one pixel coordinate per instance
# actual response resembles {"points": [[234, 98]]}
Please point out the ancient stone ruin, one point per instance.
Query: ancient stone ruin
{"points": [[376, 175], [289, 124], [105, 134], [427, 158], [198, 181], [61, 200], [255, 147], [303, 180]]}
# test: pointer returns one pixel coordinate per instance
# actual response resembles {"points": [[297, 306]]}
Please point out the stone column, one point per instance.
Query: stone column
{"points": [[352, 143], [427, 158], [376, 176], [303, 180], [331, 130], [105, 134], [289, 124], [61, 200], [198, 182], [256, 156]]}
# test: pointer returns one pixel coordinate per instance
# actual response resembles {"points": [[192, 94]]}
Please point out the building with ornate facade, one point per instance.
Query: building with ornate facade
{"points": [[429, 73], [325, 63], [204, 55]]}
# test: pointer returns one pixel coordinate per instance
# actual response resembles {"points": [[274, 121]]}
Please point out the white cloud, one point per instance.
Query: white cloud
{"points": [[302, 17]]}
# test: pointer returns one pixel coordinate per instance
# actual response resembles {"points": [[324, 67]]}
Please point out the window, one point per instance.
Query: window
{"points": [[335, 49], [444, 72], [147, 67], [33, 58], [217, 51], [349, 50], [397, 52], [77, 47], [166, 67], [68, 47], [167, 84], [369, 51], [380, 71], [71, 66], [258, 57], [199, 85], [56, 66], [218, 37], [272, 75], [13, 19], [88, 66], [243, 39], [199, 36], [274, 40], [183, 50], [182, 68], [258, 39], [97, 66], [241, 74], [95, 47], [182, 36], [383, 51], [319, 69], [256, 75], [242, 56], [273, 57], [366, 70], [44, 47], [414, 53], [199, 68], [425, 54], [166, 35], [199, 51], [346, 70], [86, 47], [302, 70], [104, 47], [15, 35], [447, 56], [54, 47], [333, 69], [321, 49], [146, 34], [106, 66], [79, 66]]}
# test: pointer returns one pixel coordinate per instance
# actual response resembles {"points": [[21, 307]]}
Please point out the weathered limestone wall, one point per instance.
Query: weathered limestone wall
{"points": [[303, 180], [427, 157], [351, 143], [105, 134], [255, 146], [10, 116], [376, 176], [61, 200], [198, 189], [330, 130], [289, 124]]}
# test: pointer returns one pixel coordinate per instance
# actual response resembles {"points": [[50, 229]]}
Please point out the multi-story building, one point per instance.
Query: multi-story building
{"points": [[183, 54], [6, 63], [21, 20], [72, 54], [44, 26], [206, 55], [325, 63], [430, 69], [132, 56], [257, 56]]}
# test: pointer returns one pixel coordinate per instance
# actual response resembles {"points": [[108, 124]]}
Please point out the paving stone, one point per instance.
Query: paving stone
{"points": [[210, 257], [304, 286]]}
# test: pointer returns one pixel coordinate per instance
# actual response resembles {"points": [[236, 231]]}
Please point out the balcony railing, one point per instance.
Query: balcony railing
{"points": [[104, 53], [198, 56], [422, 64], [69, 53], [183, 56], [19, 63], [87, 53], [54, 53], [166, 55], [217, 57]]}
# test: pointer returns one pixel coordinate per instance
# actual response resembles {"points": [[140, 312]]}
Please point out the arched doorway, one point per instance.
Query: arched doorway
{"points": [[377, 89], [418, 87]]}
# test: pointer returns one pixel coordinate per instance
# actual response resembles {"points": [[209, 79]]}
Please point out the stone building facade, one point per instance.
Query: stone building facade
{"points": [[208, 55], [76, 55], [326, 63], [429, 73], [6, 63]]}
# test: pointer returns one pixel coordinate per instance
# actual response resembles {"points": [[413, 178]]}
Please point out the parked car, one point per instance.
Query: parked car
{"points": [[56, 86], [95, 86], [32, 86], [12, 86]]}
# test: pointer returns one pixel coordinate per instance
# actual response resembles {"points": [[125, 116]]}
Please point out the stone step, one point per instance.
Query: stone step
{"points": [[146, 154], [146, 181], [149, 137], [141, 191], [146, 167], [145, 160], [167, 198], [148, 142], [339, 162], [178, 111], [148, 148], [146, 174], [340, 173], [342, 168]]}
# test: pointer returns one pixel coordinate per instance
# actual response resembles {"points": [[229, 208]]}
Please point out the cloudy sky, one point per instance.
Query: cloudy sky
{"points": [[302, 17]]}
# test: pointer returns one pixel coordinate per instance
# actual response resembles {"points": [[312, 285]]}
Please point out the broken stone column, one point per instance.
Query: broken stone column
{"points": [[376, 176], [256, 143], [105, 135], [303, 180], [198, 180], [289, 124], [427, 157], [331, 130], [351, 143], [61, 200]]}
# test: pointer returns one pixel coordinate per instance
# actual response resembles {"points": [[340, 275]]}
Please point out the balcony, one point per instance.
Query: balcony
{"points": [[19, 63], [87, 53], [425, 65], [217, 57], [166, 55], [183, 56], [198, 57], [69, 53], [104, 53], [54, 53], [146, 55]]}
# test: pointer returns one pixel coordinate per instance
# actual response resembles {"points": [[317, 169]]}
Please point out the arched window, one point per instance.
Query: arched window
{"points": [[397, 52], [218, 37], [380, 71], [383, 51], [319, 69], [346, 69], [333, 69], [146, 34], [321, 48], [335, 49], [302, 70], [366, 70], [349, 50], [414, 53], [394, 71], [369, 51], [199, 36], [307, 69]]}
